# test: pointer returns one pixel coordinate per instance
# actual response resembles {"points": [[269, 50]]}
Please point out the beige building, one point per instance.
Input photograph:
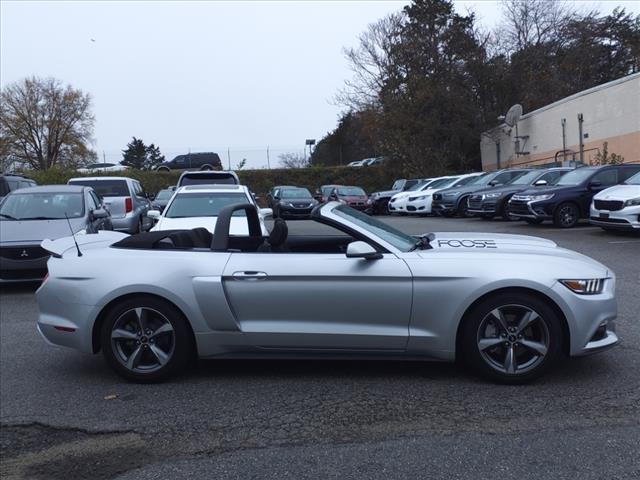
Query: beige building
{"points": [[551, 135]]}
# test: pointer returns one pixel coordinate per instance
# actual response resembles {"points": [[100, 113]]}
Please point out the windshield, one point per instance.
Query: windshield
{"points": [[164, 195], [526, 179], [485, 179], [576, 177], [635, 180], [401, 241], [42, 206], [295, 193], [204, 204], [105, 188], [327, 190], [464, 181], [351, 191], [442, 182], [477, 179], [417, 186]]}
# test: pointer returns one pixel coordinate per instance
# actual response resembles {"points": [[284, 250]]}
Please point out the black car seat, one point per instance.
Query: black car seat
{"points": [[277, 237], [201, 237], [182, 239]]}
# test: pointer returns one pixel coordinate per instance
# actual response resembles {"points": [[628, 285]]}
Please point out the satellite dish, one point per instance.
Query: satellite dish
{"points": [[513, 115]]}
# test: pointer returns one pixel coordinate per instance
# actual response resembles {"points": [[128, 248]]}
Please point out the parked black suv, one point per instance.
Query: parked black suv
{"points": [[569, 199], [202, 161], [492, 202], [14, 181]]}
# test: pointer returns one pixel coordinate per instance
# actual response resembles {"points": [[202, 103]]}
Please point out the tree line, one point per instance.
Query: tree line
{"points": [[427, 81]]}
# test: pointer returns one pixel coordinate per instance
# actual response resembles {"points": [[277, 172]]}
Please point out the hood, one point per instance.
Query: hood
{"points": [[500, 243], [619, 192], [34, 231], [385, 193], [546, 190], [466, 189], [505, 189], [238, 225]]}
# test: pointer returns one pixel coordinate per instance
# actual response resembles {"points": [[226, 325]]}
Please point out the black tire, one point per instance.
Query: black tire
{"points": [[181, 351], [163, 169], [445, 214], [503, 210], [206, 167], [381, 208], [567, 215], [487, 362], [463, 209], [533, 221]]}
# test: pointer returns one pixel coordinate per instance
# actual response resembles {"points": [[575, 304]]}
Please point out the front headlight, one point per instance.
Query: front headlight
{"points": [[593, 286], [491, 195], [632, 202], [288, 204], [421, 197], [537, 198]]}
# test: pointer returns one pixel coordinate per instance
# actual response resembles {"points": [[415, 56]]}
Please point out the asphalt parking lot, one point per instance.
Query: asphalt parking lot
{"points": [[66, 415]]}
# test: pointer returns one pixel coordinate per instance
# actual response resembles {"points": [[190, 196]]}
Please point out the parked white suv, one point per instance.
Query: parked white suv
{"points": [[194, 206], [618, 207]]}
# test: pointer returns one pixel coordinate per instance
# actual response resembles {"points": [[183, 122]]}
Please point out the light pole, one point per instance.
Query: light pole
{"points": [[310, 142]]}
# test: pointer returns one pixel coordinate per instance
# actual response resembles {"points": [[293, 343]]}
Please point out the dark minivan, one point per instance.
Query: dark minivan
{"points": [[201, 161], [566, 202]]}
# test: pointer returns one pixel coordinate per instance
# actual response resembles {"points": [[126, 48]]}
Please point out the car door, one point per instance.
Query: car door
{"points": [[320, 300], [142, 204], [98, 223]]}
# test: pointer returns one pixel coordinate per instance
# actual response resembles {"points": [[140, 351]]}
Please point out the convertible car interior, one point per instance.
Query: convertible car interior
{"points": [[278, 241]]}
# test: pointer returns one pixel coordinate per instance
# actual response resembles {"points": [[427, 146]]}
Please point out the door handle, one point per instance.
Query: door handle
{"points": [[249, 275]]}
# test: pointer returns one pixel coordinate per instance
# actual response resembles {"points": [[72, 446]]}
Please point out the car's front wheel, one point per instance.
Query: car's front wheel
{"points": [[145, 339], [511, 337], [567, 215]]}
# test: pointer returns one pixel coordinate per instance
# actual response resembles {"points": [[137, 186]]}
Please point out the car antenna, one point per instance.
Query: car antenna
{"points": [[73, 234]]}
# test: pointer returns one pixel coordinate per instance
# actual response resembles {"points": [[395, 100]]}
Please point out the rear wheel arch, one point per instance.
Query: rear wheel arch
{"points": [[97, 325], [566, 335]]}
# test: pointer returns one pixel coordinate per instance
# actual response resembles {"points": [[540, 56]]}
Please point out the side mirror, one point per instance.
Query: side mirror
{"points": [[99, 213], [493, 183], [362, 250], [154, 214], [266, 213], [595, 184], [540, 183]]}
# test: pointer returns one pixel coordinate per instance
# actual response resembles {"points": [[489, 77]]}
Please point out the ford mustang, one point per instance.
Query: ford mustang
{"points": [[508, 306]]}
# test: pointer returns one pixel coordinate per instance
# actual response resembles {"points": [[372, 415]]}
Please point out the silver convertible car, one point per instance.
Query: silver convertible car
{"points": [[509, 306]]}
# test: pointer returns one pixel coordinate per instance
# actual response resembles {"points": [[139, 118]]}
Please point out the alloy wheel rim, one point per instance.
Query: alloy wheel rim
{"points": [[143, 340], [567, 215], [513, 339]]}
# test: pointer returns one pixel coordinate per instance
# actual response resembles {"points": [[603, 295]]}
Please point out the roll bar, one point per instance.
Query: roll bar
{"points": [[220, 241]]}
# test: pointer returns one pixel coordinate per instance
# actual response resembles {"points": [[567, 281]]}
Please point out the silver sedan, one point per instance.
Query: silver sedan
{"points": [[509, 306]]}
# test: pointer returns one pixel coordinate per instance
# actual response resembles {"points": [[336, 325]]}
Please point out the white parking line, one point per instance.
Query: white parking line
{"points": [[626, 241], [585, 229]]}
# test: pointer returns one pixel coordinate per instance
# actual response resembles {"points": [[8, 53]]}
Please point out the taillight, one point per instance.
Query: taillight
{"points": [[128, 205]]}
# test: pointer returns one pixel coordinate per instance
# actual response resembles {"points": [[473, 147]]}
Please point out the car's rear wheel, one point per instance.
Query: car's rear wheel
{"points": [[163, 169], [146, 339], [566, 215], [511, 337], [206, 167]]}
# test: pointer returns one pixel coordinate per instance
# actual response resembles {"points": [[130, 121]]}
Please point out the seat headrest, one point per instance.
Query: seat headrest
{"points": [[278, 233]]}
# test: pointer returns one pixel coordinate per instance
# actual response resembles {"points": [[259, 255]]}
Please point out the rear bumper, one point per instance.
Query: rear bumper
{"points": [[127, 224]]}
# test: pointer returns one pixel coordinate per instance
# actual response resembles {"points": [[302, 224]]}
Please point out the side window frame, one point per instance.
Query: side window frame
{"points": [[605, 172]]}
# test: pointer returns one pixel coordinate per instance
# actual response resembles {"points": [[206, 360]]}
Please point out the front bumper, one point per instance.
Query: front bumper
{"points": [[627, 218], [16, 268], [482, 206], [293, 212], [539, 210], [444, 205], [420, 207], [591, 318], [397, 206]]}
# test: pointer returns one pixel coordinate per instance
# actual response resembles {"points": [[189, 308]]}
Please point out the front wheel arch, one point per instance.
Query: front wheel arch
{"points": [[97, 325], [566, 334]]}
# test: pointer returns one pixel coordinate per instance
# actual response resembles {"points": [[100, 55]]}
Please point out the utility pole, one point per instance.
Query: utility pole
{"points": [[580, 120], [268, 162], [564, 140], [229, 157], [104, 157]]}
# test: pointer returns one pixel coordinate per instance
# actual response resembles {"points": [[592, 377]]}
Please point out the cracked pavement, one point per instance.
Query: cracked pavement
{"points": [[335, 419]]}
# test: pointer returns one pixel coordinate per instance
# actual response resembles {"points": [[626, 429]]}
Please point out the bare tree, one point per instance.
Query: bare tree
{"points": [[293, 160], [370, 62], [529, 23], [44, 124]]}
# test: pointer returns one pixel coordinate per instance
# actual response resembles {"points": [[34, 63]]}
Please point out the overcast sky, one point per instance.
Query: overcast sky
{"points": [[204, 76]]}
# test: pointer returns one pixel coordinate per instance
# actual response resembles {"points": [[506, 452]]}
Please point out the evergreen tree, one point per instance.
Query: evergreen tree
{"points": [[135, 155], [154, 157]]}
